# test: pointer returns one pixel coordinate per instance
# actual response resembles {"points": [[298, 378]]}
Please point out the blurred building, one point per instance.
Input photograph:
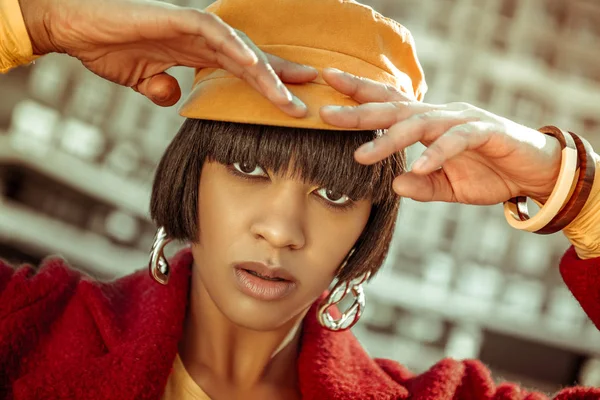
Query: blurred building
{"points": [[77, 156]]}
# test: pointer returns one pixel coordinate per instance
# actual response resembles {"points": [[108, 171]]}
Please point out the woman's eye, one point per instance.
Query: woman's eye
{"points": [[333, 196], [249, 169]]}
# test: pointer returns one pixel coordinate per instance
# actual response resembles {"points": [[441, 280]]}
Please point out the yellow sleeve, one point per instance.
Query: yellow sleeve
{"points": [[15, 45], [584, 231]]}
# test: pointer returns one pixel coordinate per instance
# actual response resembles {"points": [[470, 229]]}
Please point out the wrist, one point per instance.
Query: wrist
{"points": [[541, 194], [35, 15]]}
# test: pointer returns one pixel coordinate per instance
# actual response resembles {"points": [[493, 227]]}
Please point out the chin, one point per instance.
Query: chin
{"points": [[259, 315]]}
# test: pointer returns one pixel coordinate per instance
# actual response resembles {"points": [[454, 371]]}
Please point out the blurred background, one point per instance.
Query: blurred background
{"points": [[77, 156]]}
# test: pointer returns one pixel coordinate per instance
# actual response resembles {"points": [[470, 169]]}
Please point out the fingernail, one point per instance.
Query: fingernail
{"points": [[249, 52], [420, 163], [339, 72], [285, 92], [333, 109], [367, 147], [297, 102]]}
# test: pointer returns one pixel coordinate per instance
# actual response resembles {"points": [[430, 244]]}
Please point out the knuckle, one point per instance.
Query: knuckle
{"points": [[400, 104], [394, 141], [392, 92], [435, 151], [431, 114], [438, 186], [241, 34], [229, 35], [359, 83], [214, 18], [246, 76], [206, 17], [390, 88], [359, 119], [195, 12], [269, 70], [462, 131], [459, 106]]}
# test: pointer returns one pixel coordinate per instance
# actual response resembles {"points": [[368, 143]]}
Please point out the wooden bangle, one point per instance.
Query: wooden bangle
{"points": [[585, 180], [515, 209]]}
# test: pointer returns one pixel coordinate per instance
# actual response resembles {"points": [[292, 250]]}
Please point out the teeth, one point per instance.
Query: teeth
{"points": [[262, 276]]}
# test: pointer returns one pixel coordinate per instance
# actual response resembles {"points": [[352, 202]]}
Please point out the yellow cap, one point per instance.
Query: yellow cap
{"points": [[341, 34]]}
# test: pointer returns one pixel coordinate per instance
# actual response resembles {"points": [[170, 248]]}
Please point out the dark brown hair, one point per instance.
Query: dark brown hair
{"points": [[320, 157]]}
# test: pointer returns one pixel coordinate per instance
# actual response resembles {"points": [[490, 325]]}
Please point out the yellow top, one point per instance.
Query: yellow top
{"points": [[584, 231], [15, 46], [181, 386]]}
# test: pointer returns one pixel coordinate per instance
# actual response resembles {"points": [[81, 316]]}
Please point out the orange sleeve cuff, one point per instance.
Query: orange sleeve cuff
{"points": [[15, 44]]}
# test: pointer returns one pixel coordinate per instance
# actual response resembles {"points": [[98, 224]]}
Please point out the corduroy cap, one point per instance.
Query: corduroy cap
{"points": [[341, 34]]}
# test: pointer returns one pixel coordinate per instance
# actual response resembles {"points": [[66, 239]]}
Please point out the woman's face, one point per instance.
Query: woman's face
{"points": [[269, 245]]}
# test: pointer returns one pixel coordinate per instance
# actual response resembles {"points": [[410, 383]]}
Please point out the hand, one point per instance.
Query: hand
{"points": [[472, 155], [133, 42]]}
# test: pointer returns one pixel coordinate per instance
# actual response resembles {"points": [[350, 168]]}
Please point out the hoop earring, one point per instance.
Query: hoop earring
{"points": [[158, 265], [353, 313]]}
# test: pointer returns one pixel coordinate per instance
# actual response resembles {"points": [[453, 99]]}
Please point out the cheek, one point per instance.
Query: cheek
{"points": [[221, 217], [333, 235]]}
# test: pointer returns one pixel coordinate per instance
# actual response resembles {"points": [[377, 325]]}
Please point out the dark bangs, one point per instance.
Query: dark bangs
{"points": [[320, 157]]}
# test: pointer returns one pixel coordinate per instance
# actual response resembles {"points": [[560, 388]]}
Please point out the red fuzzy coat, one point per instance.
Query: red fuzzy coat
{"points": [[63, 335]]}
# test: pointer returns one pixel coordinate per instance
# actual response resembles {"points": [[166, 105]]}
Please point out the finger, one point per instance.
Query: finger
{"points": [[373, 115], [292, 72], [268, 80], [469, 136], [261, 72], [432, 187], [228, 44], [418, 128], [363, 90], [295, 108], [219, 36], [162, 89]]}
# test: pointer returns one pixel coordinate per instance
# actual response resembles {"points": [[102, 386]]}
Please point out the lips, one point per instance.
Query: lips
{"points": [[263, 271], [261, 282]]}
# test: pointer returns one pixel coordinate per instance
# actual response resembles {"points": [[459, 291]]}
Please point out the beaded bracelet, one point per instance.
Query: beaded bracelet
{"points": [[515, 209]]}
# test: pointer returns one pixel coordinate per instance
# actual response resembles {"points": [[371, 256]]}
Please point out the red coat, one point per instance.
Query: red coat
{"points": [[63, 335]]}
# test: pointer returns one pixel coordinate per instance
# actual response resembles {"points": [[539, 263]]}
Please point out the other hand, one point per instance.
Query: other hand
{"points": [[472, 155], [133, 43]]}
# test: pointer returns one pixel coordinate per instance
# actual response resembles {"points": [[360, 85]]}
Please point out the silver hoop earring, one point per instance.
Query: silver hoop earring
{"points": [[158, 265], [353, 313]]}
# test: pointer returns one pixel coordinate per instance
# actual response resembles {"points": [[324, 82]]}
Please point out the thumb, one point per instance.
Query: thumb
{"points": [[431, 187], [162, 89]]}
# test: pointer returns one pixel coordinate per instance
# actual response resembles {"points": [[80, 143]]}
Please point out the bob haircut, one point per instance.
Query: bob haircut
{"points": [[320, 157]]}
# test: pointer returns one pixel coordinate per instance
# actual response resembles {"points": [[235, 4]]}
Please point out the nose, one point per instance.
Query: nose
{"points": [[282, 219]]}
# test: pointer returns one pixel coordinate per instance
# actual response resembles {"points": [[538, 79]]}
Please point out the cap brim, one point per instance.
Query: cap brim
{"points": [[227, 98]]}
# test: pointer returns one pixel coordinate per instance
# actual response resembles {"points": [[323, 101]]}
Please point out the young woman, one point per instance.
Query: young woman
{"points": [[275, 209]]}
